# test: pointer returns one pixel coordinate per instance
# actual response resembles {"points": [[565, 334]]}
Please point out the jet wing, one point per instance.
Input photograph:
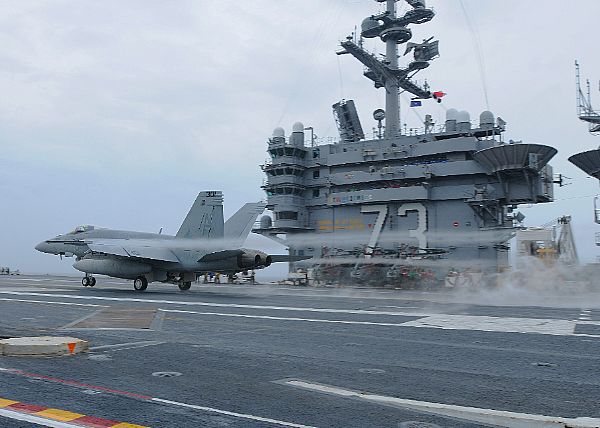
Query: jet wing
{"points": [[124, 248]]}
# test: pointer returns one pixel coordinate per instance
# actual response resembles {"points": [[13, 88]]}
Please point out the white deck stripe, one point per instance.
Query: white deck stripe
{"points": [[473, 414], [444, 322], [267, 317], [216, 305], [47, 302], [507, 325], [558, 327], [234, 414], [125, 346], [34, 419]]}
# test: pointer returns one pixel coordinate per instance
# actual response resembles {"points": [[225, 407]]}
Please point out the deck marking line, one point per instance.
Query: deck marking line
{"points": [[267, 317], [124, 346], [83, 318], [234, 414], [221, 305], [46, 302], [473, 414], [151, 399], [496, 327], [34, 419], [496, 324], [59, 415], [5, 403], [48, 416], [77, 384]]}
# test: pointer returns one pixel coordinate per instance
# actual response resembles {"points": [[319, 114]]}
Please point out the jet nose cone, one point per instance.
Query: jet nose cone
{"points": [[43, 247]]}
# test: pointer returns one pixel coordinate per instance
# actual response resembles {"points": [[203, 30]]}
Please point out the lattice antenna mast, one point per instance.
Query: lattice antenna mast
{"points": [[393, 31], [585, 111]]}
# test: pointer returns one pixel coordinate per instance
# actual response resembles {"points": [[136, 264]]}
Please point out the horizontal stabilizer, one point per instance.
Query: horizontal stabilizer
{"points": [[205, 219], [288, 259]]}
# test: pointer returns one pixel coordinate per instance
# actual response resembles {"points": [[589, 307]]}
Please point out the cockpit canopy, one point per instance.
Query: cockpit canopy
{"points": [[81, 229]]}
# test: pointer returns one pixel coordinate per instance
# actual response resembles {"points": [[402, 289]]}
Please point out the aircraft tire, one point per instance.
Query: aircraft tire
{"points": [[184, 285], [92, 281], [85, 281], [140, 283]]}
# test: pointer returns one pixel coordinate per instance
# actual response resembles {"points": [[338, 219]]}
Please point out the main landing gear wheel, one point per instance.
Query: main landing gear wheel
{"points": [[88, 281], [184, 285], [140, 283]]}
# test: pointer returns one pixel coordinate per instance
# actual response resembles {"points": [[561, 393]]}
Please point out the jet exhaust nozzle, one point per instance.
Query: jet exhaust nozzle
{"points": [[253, 260]]}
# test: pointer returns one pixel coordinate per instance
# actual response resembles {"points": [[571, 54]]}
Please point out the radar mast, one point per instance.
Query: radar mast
{"points": [[393, 31]]}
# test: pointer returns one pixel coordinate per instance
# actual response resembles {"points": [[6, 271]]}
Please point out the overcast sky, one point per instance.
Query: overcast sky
{"points": [[116, 113]]}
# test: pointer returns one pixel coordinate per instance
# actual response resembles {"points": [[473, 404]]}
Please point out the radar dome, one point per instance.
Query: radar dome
{"points": [[279, 132], [463, 122], [266, 222], [487, 118], [298, 127], [463, 117], [369, 24], [452, 114]]}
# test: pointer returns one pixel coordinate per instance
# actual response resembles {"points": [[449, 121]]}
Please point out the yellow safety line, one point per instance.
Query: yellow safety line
{"points": [[126, 425], [5, 403], [59, 415]]}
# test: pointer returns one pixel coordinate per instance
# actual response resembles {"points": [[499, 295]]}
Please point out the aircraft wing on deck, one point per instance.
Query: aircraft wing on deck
{"points": [[139, 250]]}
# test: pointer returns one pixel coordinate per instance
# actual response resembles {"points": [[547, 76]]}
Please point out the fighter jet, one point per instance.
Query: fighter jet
{"points": [[204, 243]]}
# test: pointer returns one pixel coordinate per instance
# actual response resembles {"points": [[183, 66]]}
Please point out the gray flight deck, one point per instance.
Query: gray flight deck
{"points": [[246, 354]]}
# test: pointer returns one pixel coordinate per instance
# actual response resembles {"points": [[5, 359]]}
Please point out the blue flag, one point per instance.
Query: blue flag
{"points": [[415, 103]]}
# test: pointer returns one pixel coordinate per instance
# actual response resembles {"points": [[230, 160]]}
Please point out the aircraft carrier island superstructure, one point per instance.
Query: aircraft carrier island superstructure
{"points": [[401, 207]]}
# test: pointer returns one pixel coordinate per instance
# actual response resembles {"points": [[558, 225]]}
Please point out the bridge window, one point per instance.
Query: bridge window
{"points": [[287, 215]]}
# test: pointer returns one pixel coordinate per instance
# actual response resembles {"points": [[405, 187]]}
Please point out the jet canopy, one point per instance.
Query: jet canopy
{"points": [[81, 229]]}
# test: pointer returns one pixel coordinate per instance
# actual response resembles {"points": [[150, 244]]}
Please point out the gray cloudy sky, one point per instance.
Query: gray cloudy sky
{"points": [[116, 113]]}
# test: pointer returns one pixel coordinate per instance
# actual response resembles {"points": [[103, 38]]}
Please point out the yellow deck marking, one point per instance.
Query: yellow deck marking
{"points": [[126, 425], [59, 415], [5, 403]]}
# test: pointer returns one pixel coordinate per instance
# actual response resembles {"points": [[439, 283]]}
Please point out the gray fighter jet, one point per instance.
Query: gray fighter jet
{"points": [[204, 243]]}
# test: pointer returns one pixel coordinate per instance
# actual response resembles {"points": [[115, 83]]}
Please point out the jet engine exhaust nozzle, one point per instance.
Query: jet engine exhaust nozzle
{"points": [[253, 260]]}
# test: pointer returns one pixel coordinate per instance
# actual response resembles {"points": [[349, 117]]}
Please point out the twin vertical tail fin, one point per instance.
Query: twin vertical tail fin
{"points": [[205, 219], [239, 225]]}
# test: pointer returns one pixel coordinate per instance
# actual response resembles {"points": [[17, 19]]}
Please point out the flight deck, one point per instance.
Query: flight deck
{"points": [[273, 356]]}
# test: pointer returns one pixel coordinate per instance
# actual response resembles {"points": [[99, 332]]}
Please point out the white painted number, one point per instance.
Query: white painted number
{"points": [[419, 232], [382, 210]]}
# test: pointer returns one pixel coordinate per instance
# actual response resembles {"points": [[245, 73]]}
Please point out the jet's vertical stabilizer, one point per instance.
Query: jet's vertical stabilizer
{"points": [[205, 219], [239, 225]]}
